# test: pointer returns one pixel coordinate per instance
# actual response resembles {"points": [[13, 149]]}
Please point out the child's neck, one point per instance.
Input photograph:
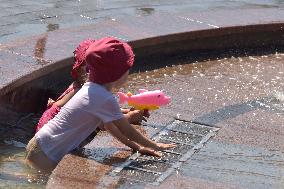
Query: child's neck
{"points": [[108, 86]]}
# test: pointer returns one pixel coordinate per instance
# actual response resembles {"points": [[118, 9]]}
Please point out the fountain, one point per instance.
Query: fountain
{"points": [[224, 74]]}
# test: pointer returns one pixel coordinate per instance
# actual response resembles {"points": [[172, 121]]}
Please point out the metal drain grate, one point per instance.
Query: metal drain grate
{"points": [[189, 138]]}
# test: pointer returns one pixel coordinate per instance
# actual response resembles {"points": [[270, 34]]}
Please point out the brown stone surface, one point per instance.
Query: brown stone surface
{"points": [[240, 134], [179, 181], [86, 173], [241, 166], [224, 92]]}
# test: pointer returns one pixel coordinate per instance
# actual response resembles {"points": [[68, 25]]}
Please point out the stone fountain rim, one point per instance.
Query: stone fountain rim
{"points": [[145, 42]]}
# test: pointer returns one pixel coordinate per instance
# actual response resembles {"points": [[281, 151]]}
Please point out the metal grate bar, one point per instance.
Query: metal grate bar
{"points": [[145, 170], [189, 137], [168, 151], [167, 173], [184, 132], [173, 141]]}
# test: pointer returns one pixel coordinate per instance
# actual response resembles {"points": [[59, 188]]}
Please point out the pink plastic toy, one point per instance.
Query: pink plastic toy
{"points": [[145, 100]]}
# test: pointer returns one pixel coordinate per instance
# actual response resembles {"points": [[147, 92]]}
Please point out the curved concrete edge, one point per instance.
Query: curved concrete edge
{"points": [[35, 74], [177, 37], [234, 37], [206, 39], [141, 45], [153, 30]]}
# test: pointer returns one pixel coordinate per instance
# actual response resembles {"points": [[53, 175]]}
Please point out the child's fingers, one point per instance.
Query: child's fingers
{"points": [[171, 145], [158, 154], [150, 151], [146, 113], [125, 110], [154, 153], [50, 102], [144, 119], [132, 109], [140, 112], [162, 146], [141, 115]]}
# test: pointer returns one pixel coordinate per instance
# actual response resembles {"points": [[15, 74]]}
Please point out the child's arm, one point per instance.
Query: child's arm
{"points": [[131, 133], [66, 98], [114, 131]]}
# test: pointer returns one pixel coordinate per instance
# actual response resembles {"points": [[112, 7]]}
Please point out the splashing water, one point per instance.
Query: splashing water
{"points": [[279, 96]]}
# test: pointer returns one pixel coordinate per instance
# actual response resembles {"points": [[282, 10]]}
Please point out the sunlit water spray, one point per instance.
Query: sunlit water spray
{"points": [[279, 96]]}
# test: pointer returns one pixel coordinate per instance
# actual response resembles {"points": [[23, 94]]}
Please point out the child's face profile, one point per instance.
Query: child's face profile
{"points": [[122, 80], [82, 73]]}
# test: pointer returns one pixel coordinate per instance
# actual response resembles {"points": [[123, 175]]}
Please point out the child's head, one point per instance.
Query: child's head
{"points": [[79, 71], [109, 61]]}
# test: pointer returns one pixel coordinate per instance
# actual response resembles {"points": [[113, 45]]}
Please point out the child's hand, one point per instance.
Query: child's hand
{"points": [[135, 116], [50, 102], [164, 146], [149, 151], [146, 113], [125, 110]]}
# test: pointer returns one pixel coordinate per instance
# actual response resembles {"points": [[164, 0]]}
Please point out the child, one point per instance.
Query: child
{"points": [[108, 61], [79, 76]]}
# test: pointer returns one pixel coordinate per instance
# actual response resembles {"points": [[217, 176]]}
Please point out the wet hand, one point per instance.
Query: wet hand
{"points": [[149, 151], [136, 116], [164, 146]]}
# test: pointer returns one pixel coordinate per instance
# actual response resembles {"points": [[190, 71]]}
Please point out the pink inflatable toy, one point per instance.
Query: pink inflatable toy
{"points": [[145, 100]]}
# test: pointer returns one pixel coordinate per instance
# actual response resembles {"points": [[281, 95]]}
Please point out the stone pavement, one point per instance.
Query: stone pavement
{"points": [[248, 149], [20, 19]]}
